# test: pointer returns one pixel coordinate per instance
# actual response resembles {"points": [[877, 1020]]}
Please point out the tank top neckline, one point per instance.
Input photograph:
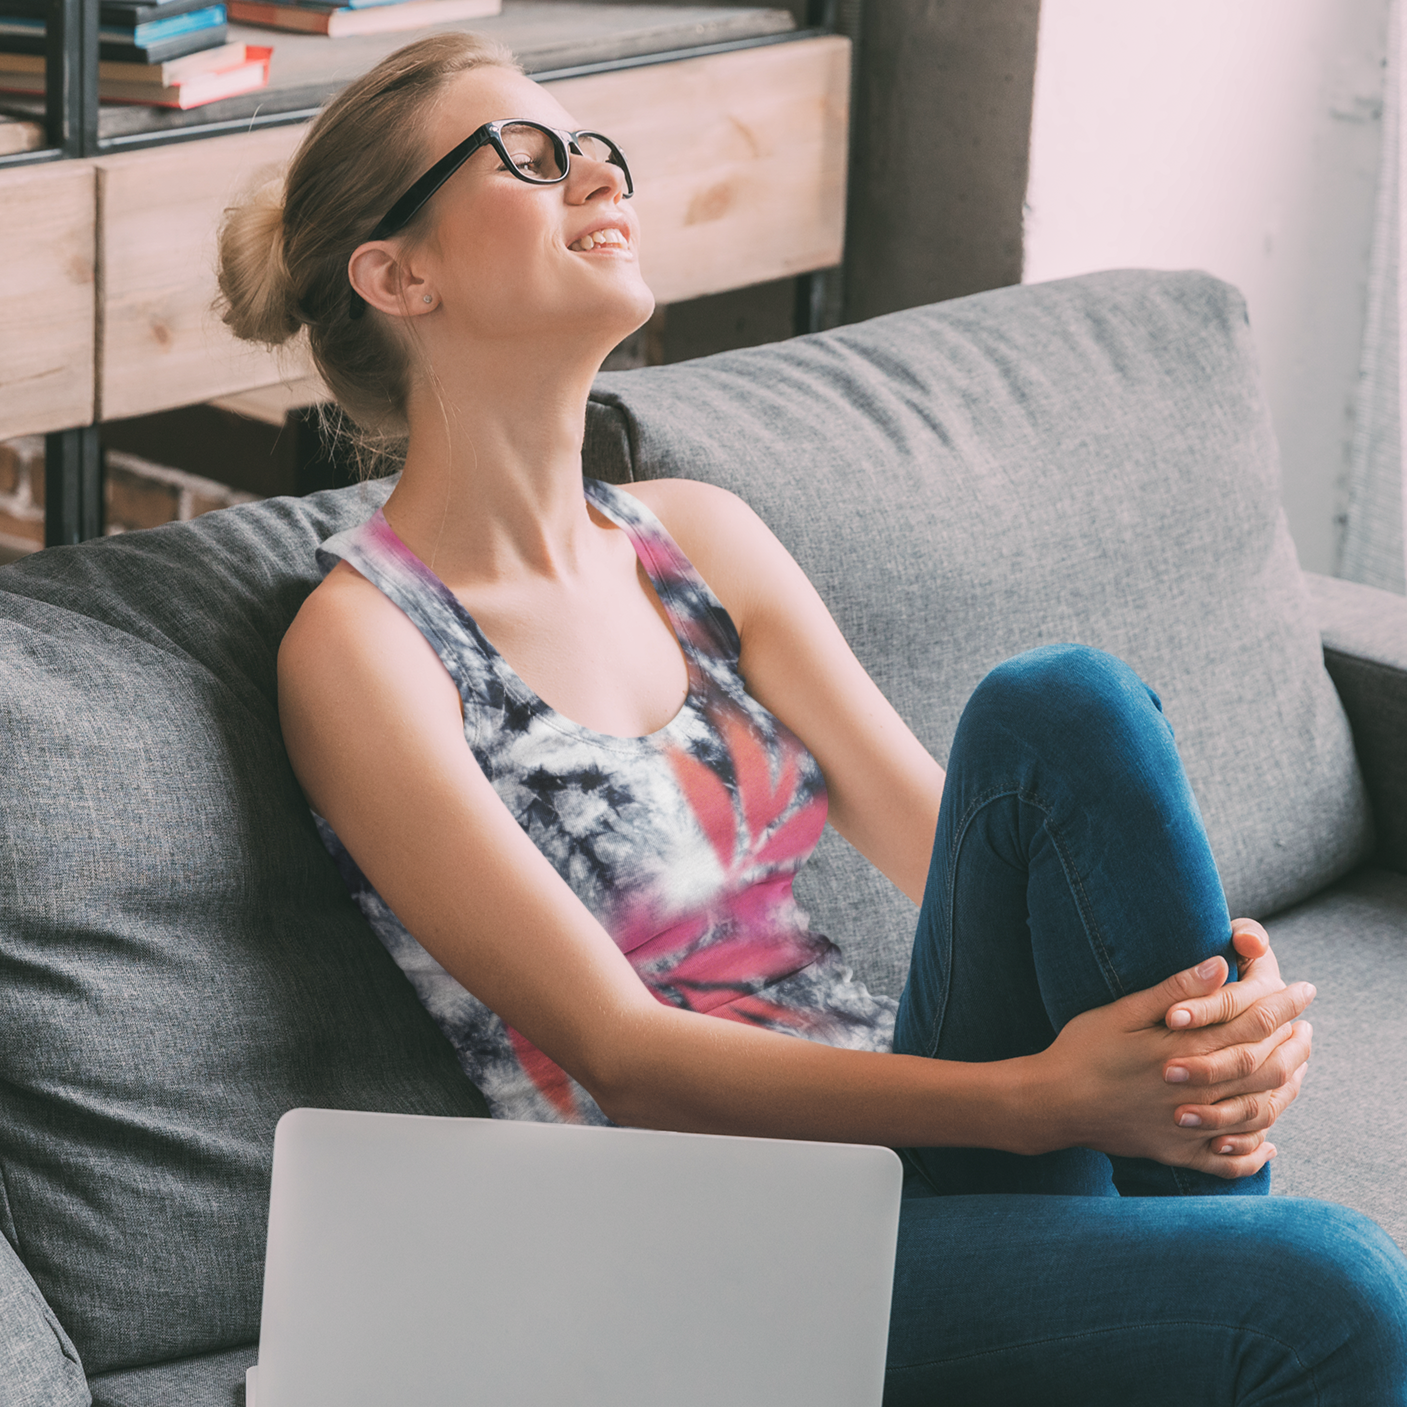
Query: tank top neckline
{"points": [[600, 496]]}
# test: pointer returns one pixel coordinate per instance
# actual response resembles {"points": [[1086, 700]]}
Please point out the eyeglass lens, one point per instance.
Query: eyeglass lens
{"points": [[538, 157]]}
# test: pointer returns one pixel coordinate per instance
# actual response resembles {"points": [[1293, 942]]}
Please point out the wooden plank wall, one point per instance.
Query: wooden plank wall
{"points": [[739, 161], [48, 244], [160, 343]]}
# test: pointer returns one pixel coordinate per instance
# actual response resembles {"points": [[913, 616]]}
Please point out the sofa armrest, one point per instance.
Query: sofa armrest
{"points": [[39, 1365], [1365, 651]]}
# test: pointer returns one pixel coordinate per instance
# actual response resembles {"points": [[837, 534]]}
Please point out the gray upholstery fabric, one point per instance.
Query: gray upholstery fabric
{"points": [[39, 1365], [179, 962], [208, 1380], [1345, 1138], [1088, 460], [1365, 650]]}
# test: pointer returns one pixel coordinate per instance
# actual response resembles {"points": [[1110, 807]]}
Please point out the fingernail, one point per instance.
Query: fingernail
{"points": [[1189, 1121], [1180, 1018], [1176, 1075], [1226, 1148], [1313, 990], [1308, 1029], [1206, 969]]}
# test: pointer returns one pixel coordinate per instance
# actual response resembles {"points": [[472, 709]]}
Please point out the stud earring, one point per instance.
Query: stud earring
{"points": [[427, 299]]}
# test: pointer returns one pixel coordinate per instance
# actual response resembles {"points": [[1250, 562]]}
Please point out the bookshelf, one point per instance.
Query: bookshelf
{"points": [[735, 119], [552, 39]]}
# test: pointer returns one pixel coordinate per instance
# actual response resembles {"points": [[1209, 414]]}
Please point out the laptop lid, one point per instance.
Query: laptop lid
{"points": [[441, 1261]]}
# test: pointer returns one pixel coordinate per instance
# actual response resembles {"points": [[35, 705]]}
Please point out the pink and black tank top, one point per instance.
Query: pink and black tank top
{"points": [[683, 844]]}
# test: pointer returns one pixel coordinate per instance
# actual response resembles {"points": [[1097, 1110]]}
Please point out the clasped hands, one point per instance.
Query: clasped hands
{"points": [[1192, 1072]]}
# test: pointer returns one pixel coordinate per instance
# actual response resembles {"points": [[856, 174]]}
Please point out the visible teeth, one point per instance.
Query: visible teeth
{"points": [[589, 242]]}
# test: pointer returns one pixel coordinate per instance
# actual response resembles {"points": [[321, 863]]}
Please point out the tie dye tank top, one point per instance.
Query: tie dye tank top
{"points": [[683, 844]]}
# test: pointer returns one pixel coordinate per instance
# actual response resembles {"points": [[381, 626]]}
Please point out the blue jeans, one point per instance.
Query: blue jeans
{"points": [[1071, 868]]}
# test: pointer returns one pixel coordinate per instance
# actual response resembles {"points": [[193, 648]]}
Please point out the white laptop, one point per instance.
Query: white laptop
{"points": [[425, 1262]]}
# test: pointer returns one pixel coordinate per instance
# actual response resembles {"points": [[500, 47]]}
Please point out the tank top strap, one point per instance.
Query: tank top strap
{"points": [[374, 550], [698, 616]]}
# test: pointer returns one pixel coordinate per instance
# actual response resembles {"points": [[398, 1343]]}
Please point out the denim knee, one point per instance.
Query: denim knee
{"points": [[1063, 684], [1350, 1282], [1069, 700]]}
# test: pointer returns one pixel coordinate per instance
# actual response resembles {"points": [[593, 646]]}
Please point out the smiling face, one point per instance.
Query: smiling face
{"points": [[507, 260]]}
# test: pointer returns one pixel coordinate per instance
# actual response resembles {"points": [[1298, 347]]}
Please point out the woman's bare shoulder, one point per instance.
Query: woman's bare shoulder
{"points": [[330, 627], [732, 548], [679, 499], [350, 649], [345, 617]]}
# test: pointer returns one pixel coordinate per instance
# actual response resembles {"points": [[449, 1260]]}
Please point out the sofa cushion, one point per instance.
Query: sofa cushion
{"points": [[1088, 461], [179, 961], [1345, 1138], [39, 1365], [208, 1380]]}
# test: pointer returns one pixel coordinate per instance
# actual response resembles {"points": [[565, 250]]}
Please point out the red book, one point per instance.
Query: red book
{"points": [[200, 88]]}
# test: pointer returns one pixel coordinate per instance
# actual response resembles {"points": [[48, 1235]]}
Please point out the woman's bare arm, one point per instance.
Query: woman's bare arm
{"points": [[374, 730]]}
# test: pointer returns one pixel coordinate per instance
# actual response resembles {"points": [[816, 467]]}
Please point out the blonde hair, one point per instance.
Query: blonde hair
{"points": [[284, 249]]}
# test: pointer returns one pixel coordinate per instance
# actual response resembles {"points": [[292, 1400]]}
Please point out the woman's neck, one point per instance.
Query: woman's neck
{"points": [[492, 482]]}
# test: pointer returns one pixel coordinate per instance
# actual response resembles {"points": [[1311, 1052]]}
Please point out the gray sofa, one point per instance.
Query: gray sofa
{"points": [[179, 964]]}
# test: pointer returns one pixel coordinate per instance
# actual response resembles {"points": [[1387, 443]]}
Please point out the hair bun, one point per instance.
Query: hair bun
{"points": [[257, 301]]}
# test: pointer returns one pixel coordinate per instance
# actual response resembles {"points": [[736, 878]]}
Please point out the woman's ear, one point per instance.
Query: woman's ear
{"points": [[385, 283]]}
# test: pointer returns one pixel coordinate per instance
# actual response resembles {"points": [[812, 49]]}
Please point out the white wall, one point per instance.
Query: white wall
{"points": [[1238, 136]]}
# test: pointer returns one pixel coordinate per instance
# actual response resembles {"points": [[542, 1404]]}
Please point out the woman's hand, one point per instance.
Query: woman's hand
{"points": [[1258, 973], [1114, 1071], [1245, 1074]]}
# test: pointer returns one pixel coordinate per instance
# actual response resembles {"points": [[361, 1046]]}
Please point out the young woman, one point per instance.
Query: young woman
{"points": [[577, 743]]}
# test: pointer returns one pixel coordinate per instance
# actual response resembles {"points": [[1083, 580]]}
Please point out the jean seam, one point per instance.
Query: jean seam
{"points": [[978, 803], [1120, 1329], [1082, 902], [1072, 878]]}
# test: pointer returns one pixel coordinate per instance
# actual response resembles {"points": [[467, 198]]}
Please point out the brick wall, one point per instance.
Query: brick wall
{"points": [[145, 495], [139, 494], [21, 496]]}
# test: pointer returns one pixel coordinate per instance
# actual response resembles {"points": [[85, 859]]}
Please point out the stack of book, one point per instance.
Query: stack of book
{"points": [[166, 53], [129, 31], [205, 77], [341, 17]]}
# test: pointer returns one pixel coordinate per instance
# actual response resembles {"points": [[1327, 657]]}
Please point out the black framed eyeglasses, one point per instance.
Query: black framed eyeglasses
{"points": [[531, 151]]}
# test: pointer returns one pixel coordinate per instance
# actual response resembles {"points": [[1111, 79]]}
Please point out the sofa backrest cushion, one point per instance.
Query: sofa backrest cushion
{"points": [[179, 961], [1089, 461]]}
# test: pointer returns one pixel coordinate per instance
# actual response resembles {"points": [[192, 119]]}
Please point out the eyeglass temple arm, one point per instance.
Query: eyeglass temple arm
{"points": [[408, 206]]}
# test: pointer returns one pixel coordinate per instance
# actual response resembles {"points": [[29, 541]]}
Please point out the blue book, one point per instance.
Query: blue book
{"points": [[154, 31], [125, 15], [22, 35]]}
